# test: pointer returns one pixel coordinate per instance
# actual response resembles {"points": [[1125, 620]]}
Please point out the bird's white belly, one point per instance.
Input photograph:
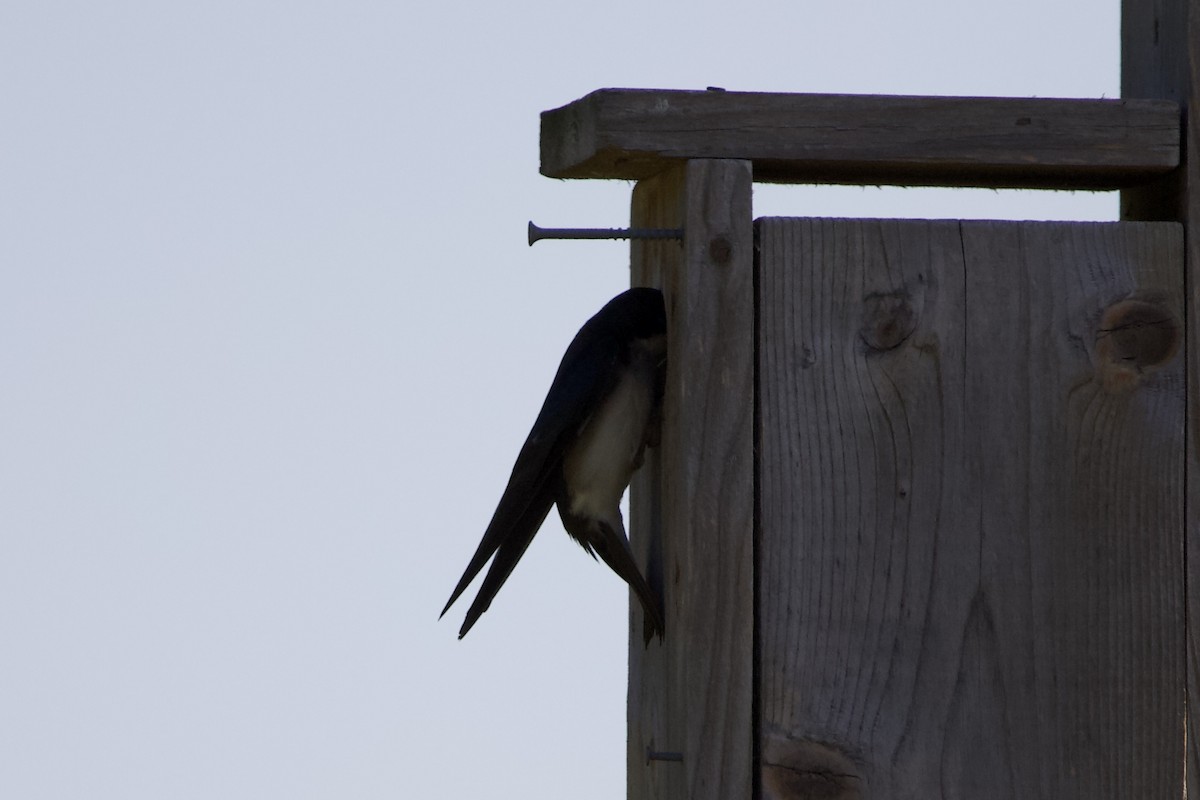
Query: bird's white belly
{"points": [[600, 463]]}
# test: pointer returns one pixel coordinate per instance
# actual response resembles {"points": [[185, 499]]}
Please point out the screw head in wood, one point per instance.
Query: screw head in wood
{"points": [[720, 250]]}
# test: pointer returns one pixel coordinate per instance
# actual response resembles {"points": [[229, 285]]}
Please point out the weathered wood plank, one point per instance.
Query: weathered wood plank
{"points": [[865, 139], [692, 694], [1160, 57], [971, 509]]}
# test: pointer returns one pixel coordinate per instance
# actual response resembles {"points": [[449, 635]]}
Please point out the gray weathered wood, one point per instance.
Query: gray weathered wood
{"points": [[856, 139], [971, 509], [1160, 57], [692, 694]]}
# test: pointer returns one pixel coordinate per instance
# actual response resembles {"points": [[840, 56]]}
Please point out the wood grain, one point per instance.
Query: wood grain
{"points": [[970, 576], [692, 694], [1160, 58], [866, 139]]}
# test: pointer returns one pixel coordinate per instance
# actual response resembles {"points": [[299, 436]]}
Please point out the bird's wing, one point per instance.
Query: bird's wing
{"points": [[509, 552], [584, 379]]}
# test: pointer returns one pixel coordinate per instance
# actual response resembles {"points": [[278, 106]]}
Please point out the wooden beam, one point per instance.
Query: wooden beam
{"points": [[864, 139], [1160, 57], [692, 504]]}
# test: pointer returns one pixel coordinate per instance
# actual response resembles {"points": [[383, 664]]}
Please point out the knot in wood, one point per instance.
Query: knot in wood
{"points": [[1135, 337], [888, 319], [804, 768]]}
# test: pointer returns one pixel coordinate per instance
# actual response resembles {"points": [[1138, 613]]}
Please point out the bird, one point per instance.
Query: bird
{"points": [[602, 410]]}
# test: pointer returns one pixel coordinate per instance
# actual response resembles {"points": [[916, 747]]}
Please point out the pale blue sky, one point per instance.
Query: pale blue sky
{"points": [[270, 339]]}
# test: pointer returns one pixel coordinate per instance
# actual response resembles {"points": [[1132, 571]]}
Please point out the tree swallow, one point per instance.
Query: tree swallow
{"points": [[602, 411]]}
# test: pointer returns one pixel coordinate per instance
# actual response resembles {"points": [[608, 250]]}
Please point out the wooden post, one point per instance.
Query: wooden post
{"points": [[924, 511], [1160, 59], [690, 697]]}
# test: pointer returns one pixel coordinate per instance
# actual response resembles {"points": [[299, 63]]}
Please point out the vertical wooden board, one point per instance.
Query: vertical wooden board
{"points": [[849, 515], [654, 709], [1160, 58], [692, 694], [1079, 462], [970, 573]]}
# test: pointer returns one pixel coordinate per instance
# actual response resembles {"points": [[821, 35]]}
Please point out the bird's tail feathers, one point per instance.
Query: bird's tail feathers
{"points": [[619, 557]]}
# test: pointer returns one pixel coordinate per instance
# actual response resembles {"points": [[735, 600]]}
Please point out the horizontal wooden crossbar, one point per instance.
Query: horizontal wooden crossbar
{"points": [[867, 139]]}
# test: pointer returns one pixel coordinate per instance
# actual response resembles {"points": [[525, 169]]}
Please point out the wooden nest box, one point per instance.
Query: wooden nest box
{"points": [[925, 508]]}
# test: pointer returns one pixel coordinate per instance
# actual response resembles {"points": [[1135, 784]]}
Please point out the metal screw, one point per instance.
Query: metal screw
{"points": [[662, 755], [537, 233]]}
